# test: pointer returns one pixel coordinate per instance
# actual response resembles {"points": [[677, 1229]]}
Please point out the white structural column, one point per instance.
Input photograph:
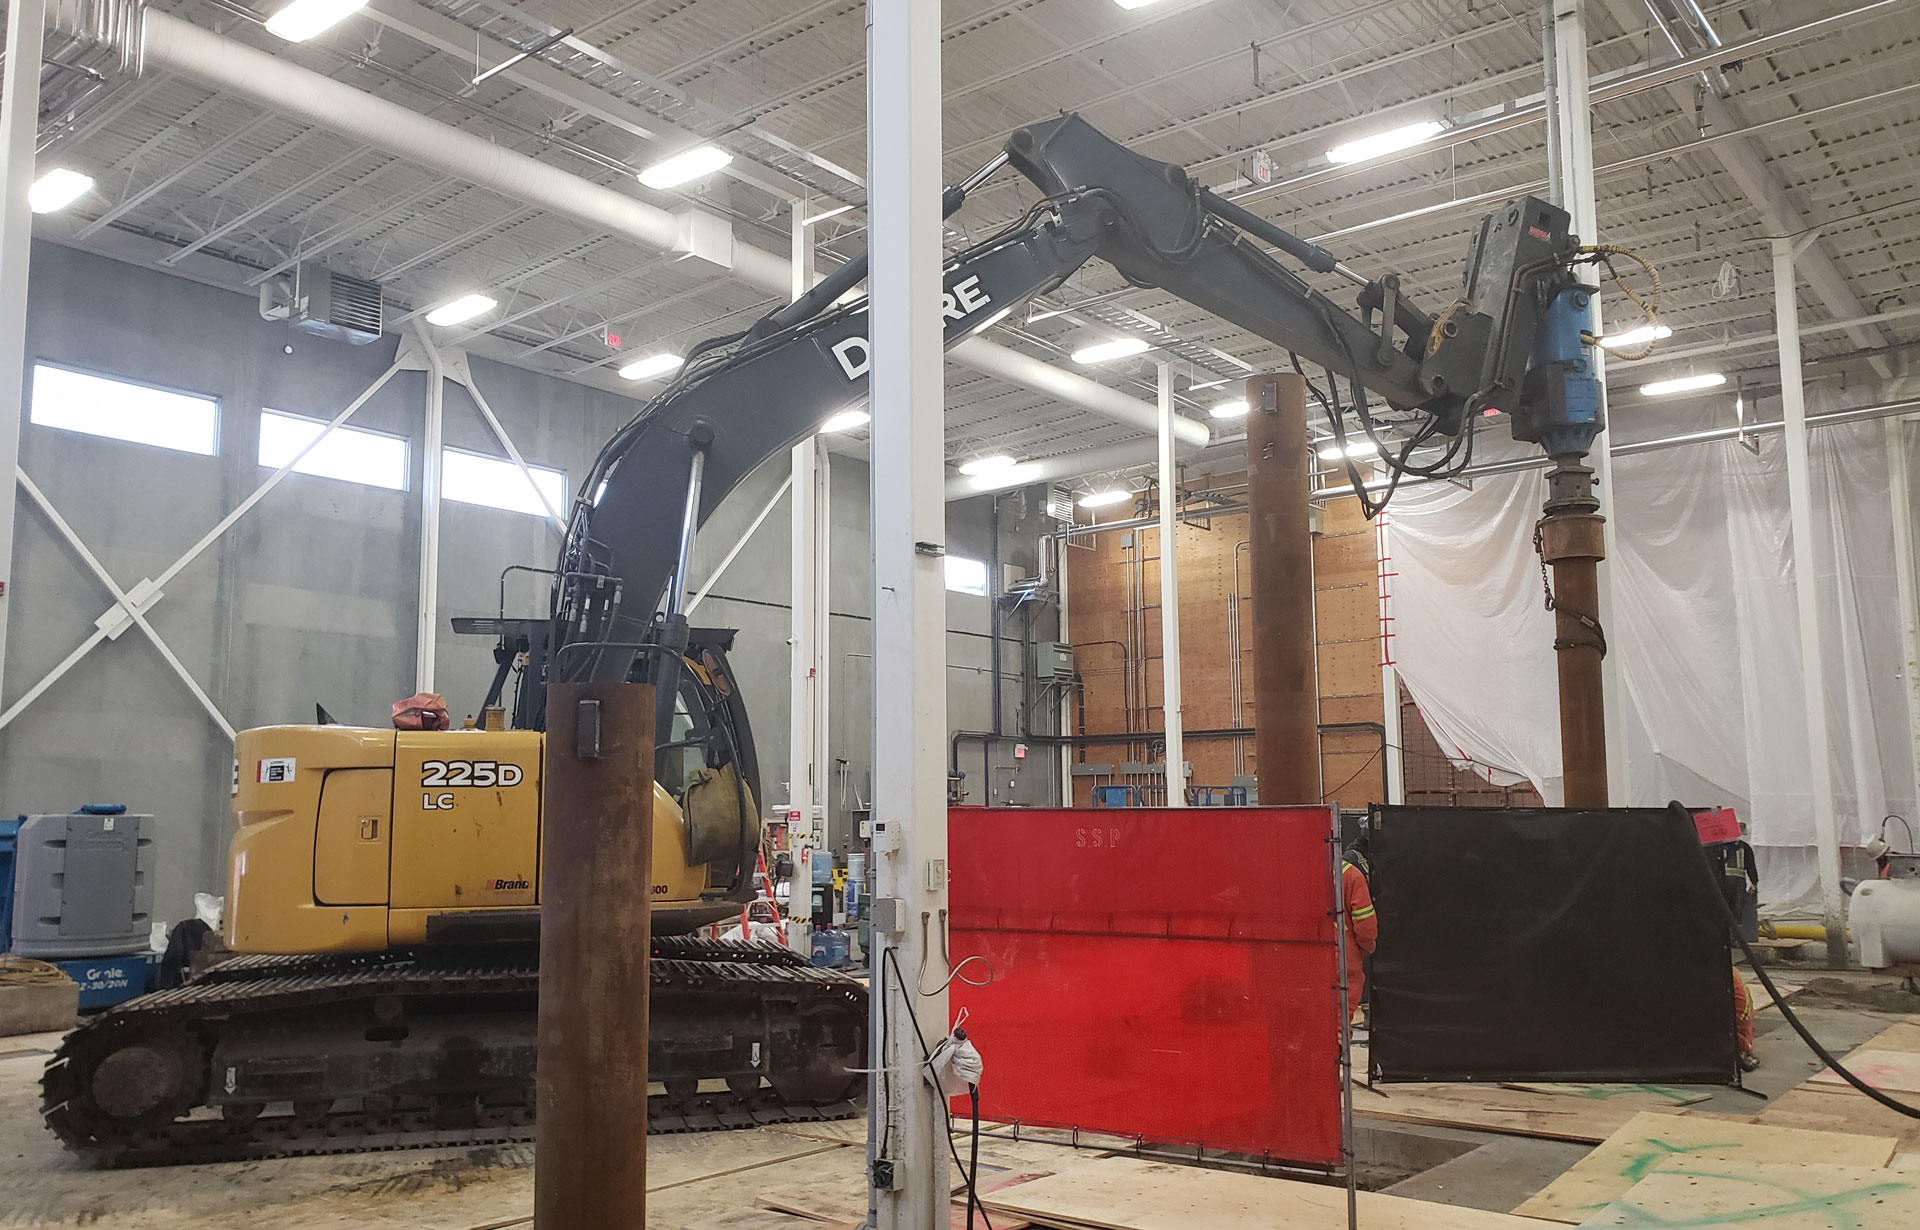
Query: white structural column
{"points": [[19, 128], [806, 697], [1170, 700], [1900, 493], [1570, 123], [430, 467], [1793, 411], [1392, 750], [1064, 718], [907, 1130]]}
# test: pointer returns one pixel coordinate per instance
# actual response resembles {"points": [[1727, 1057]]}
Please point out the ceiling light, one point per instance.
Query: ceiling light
{"points": [[1331, 451], [1100, 499], [1230, 409], [986, 465], [303, 19], [461, 310], [835, 212], [677, 170], [1133, 4], [649, 366], [847, 420], [1383, 143], [1636, 337], [1105, 352], [57, 189], [1685, 384]]}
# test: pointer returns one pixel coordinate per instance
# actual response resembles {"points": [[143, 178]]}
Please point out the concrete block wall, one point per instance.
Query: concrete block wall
{"points": [[311, 597]]}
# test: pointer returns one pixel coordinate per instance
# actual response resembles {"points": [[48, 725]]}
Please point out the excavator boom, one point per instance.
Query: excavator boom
{"points": [[742, 400]]}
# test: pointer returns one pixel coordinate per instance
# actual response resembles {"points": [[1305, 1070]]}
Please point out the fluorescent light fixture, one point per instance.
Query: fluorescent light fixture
{"points": [[303, 19], [1100, 499], [1636, 337], [649, 366], [1381, 144], [57, 189], [1685, 384], [1133, 4], [1237, 408], [461, 310], [847, 420], [679, 169], [1106, 352], [986, 465], [835, 212], [1331, 451]]}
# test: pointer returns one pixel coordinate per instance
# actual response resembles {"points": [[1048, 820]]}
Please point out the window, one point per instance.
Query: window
{"points": [[967, 576], [121, 410], [492, 482], [351, 454]]}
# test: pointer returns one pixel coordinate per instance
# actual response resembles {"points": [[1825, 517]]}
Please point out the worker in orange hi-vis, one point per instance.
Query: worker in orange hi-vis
{"points": [[1743, 1021], [1363, 928]]}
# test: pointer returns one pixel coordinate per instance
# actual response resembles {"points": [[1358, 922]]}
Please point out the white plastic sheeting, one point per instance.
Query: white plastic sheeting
{"points": [[1705, 629]]}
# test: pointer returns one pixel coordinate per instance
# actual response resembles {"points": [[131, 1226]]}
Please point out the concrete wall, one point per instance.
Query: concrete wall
{"points": [[311, 597]]}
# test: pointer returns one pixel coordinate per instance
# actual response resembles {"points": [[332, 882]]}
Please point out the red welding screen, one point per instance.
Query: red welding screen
{"points": [[1162, 973]]}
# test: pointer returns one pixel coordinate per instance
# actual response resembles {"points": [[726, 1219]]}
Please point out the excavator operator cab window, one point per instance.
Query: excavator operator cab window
{"points": [[691, 741]]}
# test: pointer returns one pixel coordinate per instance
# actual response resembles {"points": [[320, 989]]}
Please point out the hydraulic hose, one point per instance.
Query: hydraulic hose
{"points": [[1733, 926]]}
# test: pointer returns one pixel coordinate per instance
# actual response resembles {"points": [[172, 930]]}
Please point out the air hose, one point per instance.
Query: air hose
{"points": [[1733, 926]]}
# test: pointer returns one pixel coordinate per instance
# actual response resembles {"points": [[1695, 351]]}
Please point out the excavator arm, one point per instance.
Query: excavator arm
{"points": [[740, 400]]}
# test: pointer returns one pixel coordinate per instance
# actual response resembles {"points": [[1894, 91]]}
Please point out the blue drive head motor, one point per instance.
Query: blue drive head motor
{"points": [[1561, 406]]}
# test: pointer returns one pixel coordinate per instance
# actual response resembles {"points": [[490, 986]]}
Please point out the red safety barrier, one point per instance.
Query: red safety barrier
{"points": [[1161, 973]]}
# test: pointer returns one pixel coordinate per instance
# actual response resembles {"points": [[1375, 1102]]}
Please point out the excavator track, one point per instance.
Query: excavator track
{"points": [[283, 1056]]}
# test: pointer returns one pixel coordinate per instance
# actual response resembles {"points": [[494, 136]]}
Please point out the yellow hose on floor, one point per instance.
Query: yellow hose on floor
{"points": [[1799, 931]]}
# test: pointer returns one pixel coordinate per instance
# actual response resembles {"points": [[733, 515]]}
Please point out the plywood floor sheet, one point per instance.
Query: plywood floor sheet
{"points": [[1693, 1195], [1118, 1193], [1649, 1142]]}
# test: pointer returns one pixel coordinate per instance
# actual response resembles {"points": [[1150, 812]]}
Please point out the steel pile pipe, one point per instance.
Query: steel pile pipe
{"points": [[1571, 544], [1286, 698], [596, 936]]}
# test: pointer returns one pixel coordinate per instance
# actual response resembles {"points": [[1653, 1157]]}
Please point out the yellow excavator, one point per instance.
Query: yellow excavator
{"points": [[384, 884]]}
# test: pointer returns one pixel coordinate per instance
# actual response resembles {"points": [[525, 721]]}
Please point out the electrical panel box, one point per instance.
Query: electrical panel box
{"points": [[1052, 660], [83, 885]]}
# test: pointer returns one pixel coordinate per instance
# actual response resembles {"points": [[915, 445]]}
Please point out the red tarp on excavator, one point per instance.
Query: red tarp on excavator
{"points": [[1161, 973]]}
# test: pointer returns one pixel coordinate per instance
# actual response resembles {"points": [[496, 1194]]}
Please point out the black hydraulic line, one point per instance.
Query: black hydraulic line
{"points": [[854, 272], [1679, 809], [1312, 255]]}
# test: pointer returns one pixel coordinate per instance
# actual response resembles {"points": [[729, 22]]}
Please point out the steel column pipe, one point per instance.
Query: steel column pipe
{"points": [[1571, 540], [596, 936], [1286, 699]]}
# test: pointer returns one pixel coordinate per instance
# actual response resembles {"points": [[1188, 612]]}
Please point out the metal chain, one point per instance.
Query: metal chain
{"points": [[1589, 622]]}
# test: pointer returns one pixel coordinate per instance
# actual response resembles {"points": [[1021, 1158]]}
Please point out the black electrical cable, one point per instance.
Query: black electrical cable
{"points": [[926, 1056], [1733, 925], [973, 1155]]}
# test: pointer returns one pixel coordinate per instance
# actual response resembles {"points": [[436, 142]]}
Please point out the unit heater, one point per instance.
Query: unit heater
{"points": [[316, 300]]}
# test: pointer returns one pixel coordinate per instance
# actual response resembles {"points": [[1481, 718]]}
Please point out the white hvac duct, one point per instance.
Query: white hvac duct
{"points": [[279, 85]]}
